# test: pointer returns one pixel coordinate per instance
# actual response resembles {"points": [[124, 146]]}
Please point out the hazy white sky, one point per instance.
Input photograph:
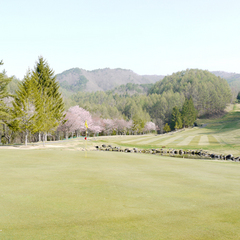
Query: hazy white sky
{"points": [[146, 36]]}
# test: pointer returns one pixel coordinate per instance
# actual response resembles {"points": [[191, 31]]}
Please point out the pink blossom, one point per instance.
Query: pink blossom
{"points": [[75, 119], [150, 126]]}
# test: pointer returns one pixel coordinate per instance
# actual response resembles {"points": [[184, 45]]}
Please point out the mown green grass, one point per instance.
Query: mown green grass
{"points": [[223, 136], [60, 194]]}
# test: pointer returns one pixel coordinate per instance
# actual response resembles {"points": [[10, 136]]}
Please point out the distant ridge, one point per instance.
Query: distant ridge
{"points": [[233, 79], [226, 75], [77, 79]]}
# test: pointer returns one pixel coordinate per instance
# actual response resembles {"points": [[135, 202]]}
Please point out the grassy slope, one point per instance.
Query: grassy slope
{"points": [[220, 135], [60, 194]]}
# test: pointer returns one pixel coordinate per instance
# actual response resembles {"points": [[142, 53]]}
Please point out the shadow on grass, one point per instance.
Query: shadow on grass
{"points": [[224, 124]]}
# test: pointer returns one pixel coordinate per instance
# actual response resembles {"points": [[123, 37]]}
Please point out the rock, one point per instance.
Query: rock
{"points": [[237, 159], [212, 155], [229, 157]]}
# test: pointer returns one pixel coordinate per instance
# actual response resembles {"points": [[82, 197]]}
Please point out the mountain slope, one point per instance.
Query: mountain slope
{"points": [[210, 93], [233, 79], [77, 79]]}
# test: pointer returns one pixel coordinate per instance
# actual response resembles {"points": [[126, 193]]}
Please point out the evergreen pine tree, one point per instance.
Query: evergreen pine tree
{"points": [[185, 113], [167, 128], [50, 106], [176, 120], [24, 106], [192, 112], [238, 97], [189, 113], [4, 81]]}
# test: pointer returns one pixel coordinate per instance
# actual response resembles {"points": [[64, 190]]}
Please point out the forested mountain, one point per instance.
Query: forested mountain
{"points": [[209, 92], [233, 79], [131, 89], [74, 80], [230, 77], [77, 79]]}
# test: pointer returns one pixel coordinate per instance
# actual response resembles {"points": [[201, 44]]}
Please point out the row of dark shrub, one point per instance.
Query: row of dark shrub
{"points": [[172, 152]]}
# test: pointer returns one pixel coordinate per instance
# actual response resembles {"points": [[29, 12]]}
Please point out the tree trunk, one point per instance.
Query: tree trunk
{"points": [[44, 137], [66, 135], [57, 136], [26, 138], [76, 133]]}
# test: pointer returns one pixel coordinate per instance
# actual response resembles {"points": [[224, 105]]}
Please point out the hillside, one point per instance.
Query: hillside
{"points": [[210, 93], [77, 79], [233, 79]]}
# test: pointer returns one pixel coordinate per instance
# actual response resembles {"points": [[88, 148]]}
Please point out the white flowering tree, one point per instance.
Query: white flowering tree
{"points": [[149, 126], [75, 120], [97, 126]]}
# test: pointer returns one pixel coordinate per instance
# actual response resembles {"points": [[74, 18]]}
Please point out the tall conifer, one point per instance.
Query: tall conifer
{"points": [[176, 120], [4, 81], [50, 106], [189, 113], [24, 106]]}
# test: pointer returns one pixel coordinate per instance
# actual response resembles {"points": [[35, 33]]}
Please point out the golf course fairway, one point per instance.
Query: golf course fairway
{"points": [[62, 194]]}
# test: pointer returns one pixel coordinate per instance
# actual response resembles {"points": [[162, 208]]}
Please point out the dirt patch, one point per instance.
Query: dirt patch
{"points": [[76, 145]]}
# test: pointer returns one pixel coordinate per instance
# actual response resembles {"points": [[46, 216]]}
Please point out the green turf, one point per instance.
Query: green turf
{"points": [[222, 134], [60, 194]]}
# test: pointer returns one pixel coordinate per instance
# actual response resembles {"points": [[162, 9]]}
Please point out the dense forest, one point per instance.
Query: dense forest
{"points": [[209, 94], [33, 108], [233, 80]]}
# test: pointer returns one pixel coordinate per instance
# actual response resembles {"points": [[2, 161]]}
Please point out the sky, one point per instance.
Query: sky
{"points": [[147, 36]]}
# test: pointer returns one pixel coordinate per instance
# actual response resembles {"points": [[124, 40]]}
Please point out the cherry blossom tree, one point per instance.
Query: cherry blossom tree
{"points": [[69, 124], [121, 126], [149, 126], [108, 125], [129, 126], [75, 120], [96, 126]]}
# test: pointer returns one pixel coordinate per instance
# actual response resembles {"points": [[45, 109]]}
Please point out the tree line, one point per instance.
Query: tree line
{"points": [[37, 107], [76, 119], [36, 110], [207, 93]]}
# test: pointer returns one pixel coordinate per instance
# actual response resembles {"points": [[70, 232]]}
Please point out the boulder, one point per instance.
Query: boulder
{"points": [[229, 157]]}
